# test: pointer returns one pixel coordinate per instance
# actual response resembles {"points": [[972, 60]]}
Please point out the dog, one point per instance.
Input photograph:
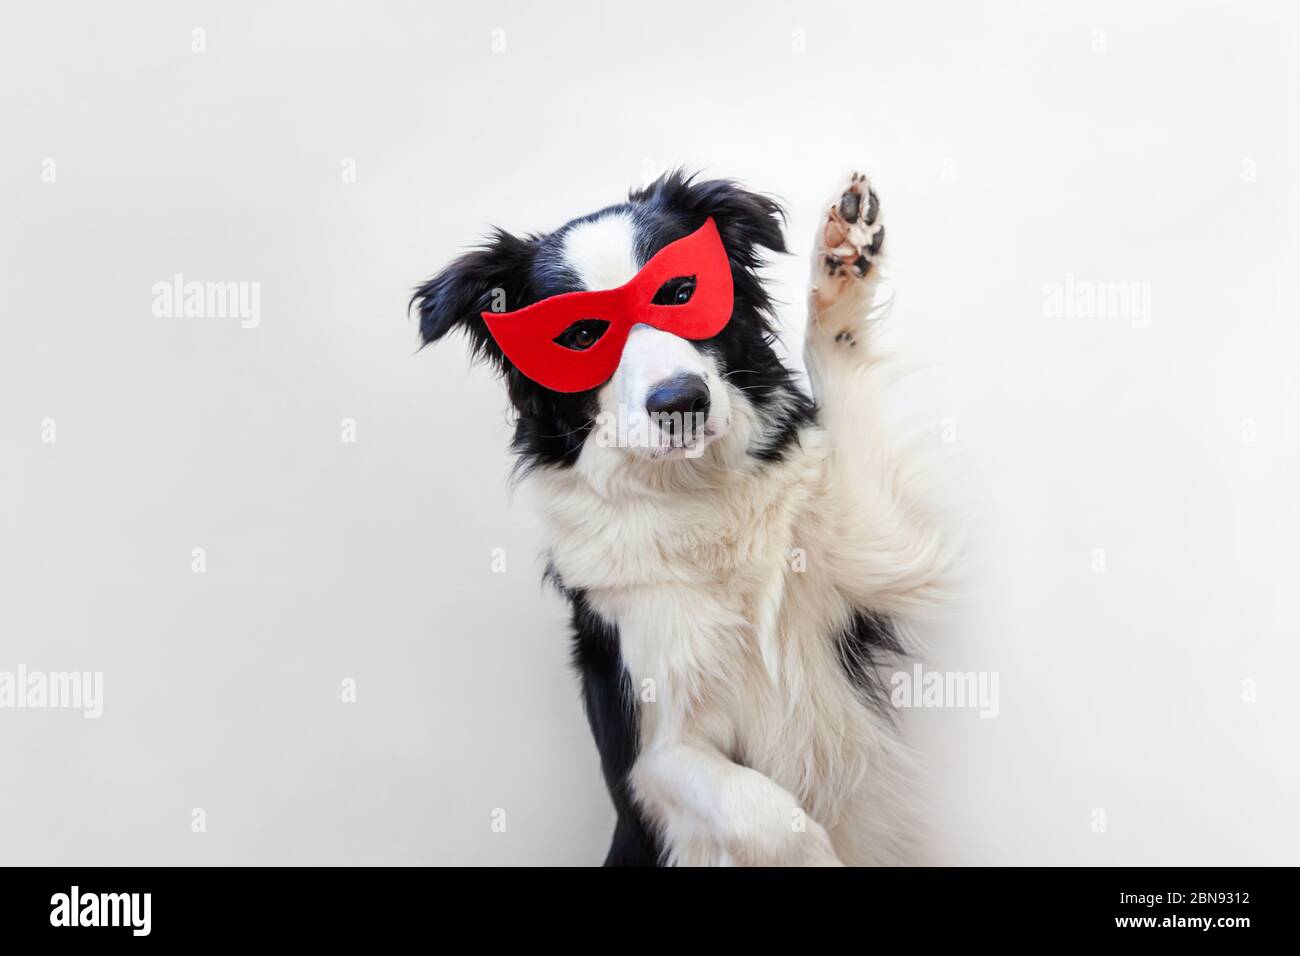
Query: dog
{"points": [[742, 569]]}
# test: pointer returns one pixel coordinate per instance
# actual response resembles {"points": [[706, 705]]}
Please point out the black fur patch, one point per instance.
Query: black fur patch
{"points": [[610, 702], [869, 642]]}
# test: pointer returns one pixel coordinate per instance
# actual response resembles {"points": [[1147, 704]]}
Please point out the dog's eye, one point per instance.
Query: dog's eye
{"points": [[582, 335], [676, 291]]}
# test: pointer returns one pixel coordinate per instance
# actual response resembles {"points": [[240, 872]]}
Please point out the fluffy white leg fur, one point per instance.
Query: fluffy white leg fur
{"points": [[890, 555]]}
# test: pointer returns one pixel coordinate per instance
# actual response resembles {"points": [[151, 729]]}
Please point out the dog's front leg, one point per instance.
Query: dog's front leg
{"points": [[888, 556], [714, 811]]}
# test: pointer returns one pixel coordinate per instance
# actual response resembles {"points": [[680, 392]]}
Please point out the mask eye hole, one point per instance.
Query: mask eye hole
{"points": [[582, 335], [676, 291]]}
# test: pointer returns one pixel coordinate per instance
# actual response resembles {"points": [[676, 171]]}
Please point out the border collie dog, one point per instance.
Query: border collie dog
{"points": [[735, 591]]}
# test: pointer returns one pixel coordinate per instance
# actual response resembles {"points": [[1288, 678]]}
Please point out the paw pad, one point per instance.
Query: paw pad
{"points": [[853, 234]]}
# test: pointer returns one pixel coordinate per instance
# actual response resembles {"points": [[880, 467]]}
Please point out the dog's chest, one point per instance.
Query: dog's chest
{"points": [[725, 624]]}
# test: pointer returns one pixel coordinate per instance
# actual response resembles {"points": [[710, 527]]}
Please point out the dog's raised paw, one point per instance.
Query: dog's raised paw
{"points": [[849, 245], [853, 235]]}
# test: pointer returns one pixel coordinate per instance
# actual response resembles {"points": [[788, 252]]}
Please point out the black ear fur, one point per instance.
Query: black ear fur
{"points": [[746, 220], [494, 275]]}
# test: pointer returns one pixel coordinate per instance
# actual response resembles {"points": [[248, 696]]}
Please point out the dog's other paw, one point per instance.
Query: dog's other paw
{"points": [[849, 246]]}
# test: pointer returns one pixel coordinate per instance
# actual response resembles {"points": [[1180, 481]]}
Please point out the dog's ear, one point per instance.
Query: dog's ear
{"points": [[748, 222], [492, 278]]}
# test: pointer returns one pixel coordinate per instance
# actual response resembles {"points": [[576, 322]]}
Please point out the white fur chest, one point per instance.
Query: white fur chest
{"points": [[726, 624]]}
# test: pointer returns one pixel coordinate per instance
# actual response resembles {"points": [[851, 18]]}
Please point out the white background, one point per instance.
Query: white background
{"points": [[1012, 144]]}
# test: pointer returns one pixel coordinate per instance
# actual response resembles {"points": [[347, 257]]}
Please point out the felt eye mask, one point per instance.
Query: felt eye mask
{"points": [[573, 342]]}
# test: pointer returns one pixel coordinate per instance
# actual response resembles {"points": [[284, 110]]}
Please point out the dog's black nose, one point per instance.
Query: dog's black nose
{"points": [[677, 399]]}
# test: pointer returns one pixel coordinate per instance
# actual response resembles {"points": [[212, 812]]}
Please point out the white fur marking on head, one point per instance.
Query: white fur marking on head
{"points": [[602, 252]]}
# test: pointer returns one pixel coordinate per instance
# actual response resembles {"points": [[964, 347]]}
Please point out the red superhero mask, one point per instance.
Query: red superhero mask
{"points": [[573, 342]]}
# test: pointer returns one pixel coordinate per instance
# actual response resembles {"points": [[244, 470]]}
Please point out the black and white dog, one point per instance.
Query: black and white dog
{"points": [[736, 590]]}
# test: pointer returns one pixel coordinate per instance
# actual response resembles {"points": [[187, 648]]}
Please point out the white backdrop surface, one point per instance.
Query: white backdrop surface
{"points": [[1126, 480]]}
